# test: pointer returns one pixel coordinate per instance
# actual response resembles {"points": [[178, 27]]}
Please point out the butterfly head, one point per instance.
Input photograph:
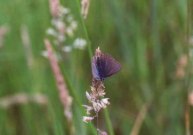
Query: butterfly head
{"points": [[98, 53]]}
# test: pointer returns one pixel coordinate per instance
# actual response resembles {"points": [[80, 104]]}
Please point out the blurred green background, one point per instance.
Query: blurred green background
{"points": [[150, 38]]}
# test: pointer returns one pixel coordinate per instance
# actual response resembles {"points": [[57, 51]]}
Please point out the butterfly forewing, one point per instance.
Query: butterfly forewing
{"points": [[104, 66], [110, 65]]}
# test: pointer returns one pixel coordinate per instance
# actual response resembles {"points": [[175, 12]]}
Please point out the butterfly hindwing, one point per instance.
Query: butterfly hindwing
{"points": [[95, 71]]}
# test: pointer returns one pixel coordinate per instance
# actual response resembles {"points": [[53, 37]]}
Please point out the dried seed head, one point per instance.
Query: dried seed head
{"points": [[80, 43], [88, 109], [88, 96], [102, 132], [52, 32], [95, 97], [67, 48], [87, 119], [105, 101], [54, 7], [84, 7], [97, 106]]}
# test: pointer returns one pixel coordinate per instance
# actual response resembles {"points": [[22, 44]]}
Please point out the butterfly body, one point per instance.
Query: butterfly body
{"points": [[104, 65]]}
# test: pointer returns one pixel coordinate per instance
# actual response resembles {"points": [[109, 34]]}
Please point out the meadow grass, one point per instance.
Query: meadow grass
{"points": [[149, 38]]}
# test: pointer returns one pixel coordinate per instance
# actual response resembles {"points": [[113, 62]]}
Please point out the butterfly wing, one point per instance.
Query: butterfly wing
{"points": [[109, 66], [95, 71], [104, 66]]}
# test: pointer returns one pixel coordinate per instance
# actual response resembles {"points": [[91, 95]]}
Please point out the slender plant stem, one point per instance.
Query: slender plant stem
{"points": [[187, 108], [140, 119], [107, 118], [108, 122], [97, 122], [84, 29]]}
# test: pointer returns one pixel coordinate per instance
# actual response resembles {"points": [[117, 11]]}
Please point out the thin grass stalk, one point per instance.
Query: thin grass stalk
{"points": [[187, 106], [65, 98], [21, 99], [155, 43], [78, 101], [108, 122], [27, 46], [3, 31], [54, 8], [139, 120], [187, 42], [84, 29], [107, 117]]}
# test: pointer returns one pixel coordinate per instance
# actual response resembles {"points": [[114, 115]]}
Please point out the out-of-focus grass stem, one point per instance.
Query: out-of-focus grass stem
{"points": [[84, 28], [108, 122], [155, 43], [140, 118], [189, 77]]}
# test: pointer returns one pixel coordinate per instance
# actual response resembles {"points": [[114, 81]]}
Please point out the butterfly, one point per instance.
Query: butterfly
{"points": [[104, 65]]}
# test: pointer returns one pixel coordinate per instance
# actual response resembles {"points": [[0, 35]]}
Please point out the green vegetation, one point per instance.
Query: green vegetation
{"points": [[152, 40]]}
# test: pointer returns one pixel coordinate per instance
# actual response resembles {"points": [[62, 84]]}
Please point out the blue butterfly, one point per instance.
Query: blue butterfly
{"points": [[104, 65]]}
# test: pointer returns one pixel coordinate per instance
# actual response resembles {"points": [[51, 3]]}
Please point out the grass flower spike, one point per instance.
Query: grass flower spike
{"points": [[103, 66]]}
